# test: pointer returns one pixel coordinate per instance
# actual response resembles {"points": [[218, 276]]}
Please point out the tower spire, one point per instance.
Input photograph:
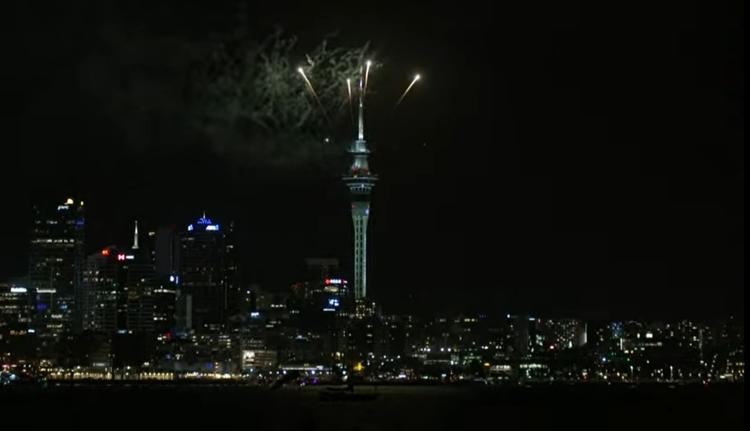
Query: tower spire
{"points": [[135, 236]]}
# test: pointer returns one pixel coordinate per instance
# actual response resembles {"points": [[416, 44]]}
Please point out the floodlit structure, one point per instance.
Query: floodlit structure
{"points": [[360, 181]]}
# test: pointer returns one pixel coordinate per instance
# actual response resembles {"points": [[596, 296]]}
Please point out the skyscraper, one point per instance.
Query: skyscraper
{"points": [[208, 284], [360, 181], [119, 290], [163, 249], [99, 303], [56, 259]]}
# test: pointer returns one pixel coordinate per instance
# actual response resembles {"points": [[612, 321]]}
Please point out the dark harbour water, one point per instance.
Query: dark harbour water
{"points": [[214, 407]]}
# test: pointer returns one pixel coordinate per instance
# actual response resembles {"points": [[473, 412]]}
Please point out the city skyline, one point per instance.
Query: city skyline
{"points": [[618, 184], [372, 215], [169, 308], [127, 241]]}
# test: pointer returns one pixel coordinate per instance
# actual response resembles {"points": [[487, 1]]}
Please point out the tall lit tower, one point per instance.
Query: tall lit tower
{"points": [[360, 181]]}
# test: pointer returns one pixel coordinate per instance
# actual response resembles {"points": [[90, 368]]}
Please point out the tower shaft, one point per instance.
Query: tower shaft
{"points": [[360, 181], [360, 215]]}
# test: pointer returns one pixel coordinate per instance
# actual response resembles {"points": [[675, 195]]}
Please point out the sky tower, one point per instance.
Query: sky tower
{"points": [[360, 181]]}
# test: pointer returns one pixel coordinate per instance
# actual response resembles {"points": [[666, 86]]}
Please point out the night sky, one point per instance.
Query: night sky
{"points": [[562, 158]]}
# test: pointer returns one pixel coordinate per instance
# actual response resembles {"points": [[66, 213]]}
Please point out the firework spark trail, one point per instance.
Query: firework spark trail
{"points": [[309, 84], [414, 81], [312, 91], [349, 91], [367, 73]]}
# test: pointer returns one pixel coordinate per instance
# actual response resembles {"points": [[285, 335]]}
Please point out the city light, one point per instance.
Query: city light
{"points": [[334, 281], [204, 220]]}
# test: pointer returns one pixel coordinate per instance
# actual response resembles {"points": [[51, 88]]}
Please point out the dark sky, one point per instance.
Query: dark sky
{"points": [[563, 158]]}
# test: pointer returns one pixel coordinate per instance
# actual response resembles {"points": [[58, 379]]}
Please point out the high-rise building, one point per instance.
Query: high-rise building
{"points": [[16, 330], [163, 248], [101, 279], [166, 250], [140, 283], [360, 181], [165, 300], [520, 334], [119, 286], [56, 259], [208, 287], [16, 310], [324, 287]]}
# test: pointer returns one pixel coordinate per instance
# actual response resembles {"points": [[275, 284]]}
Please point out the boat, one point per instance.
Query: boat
{"points": [[345, 393]]}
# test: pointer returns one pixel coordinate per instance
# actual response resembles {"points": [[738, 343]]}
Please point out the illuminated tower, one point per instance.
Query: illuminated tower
{"points": [[360, 181]]}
